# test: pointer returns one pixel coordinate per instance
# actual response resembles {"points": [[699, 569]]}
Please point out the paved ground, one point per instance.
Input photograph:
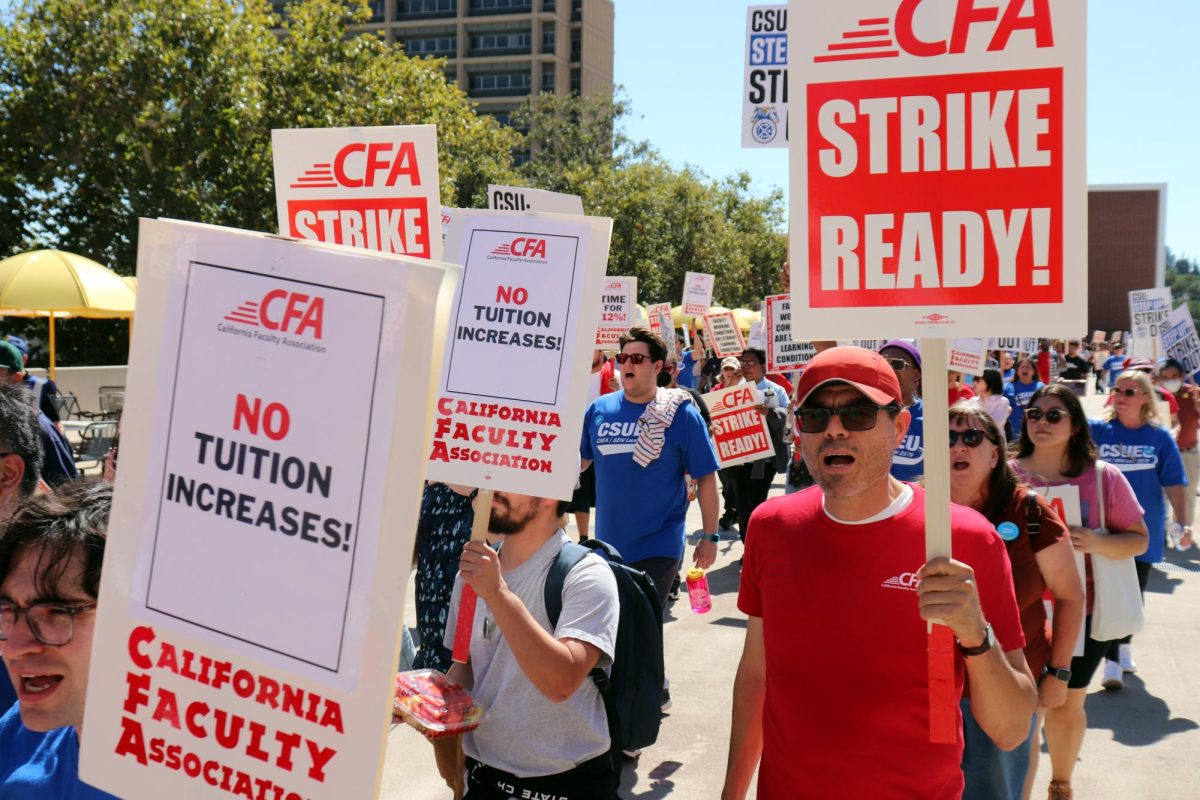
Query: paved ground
{"points": [[1142, 742]]}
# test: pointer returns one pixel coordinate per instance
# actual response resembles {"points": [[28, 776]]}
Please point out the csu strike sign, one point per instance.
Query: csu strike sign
{"points": [[765, 91], [522, 329], [261, 531], [365, 187], [938, 180]]}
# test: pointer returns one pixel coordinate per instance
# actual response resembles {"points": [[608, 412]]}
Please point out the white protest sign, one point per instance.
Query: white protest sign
{"points": [[740, 432], [618, 311], [1180, 341], [365, 187], [522, 198], [1097, 337], [869, 344], [261, 532], [783, 352], [757, 339], [1015, 345], [967, 355], [447, 213], [938, 183], [661, 324], [514, 383], [697, 293], [1064, 499], [724, 334], [765, 88], [1148, 309]]}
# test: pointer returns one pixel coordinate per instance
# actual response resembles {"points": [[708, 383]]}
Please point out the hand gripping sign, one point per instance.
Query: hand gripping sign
{"points": [[938, 189], [250, 604], [366, 187]]}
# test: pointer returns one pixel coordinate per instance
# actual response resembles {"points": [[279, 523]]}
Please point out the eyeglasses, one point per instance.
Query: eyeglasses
{"points": [[50, 623], [899, 364], [971, 437], [750, 364], [815, 419], [635, 358], [1053, 416], [1126, 392]]}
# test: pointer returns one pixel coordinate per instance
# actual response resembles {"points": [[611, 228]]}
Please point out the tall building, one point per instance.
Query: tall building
{"points": [[501, 51]]}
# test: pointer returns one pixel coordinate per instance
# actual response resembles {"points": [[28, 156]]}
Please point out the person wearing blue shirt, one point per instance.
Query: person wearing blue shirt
{"points": [[1114, 364], [1131, 438], [50, 559], [58, 464], [1023, 387], [908, 460]]}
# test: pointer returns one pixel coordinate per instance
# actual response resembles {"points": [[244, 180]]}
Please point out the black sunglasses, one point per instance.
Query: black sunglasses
{"points": [[815, 419], [971, 437], [1126, 392], [1053, 416]]}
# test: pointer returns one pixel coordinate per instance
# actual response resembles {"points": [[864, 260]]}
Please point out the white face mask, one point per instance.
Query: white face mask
{"points": [[1172, 386]]}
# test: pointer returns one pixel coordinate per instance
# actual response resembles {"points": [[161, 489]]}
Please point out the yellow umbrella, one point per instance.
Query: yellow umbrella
{"points": [[53, 283], [746, 318]]}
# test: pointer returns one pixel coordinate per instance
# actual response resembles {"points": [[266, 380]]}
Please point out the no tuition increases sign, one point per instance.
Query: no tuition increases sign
{"points": [[250, 602], [963, 125], [365, 187]]}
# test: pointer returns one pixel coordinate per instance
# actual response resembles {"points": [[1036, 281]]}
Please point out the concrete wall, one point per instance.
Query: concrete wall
{"points": [[85, 382]]}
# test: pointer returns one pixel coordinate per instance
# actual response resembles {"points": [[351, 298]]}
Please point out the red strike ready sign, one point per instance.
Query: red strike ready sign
{"points": [[938, 181]]}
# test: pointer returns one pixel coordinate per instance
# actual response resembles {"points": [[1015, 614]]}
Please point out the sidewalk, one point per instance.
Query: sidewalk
{"points": [[1142, 741]]}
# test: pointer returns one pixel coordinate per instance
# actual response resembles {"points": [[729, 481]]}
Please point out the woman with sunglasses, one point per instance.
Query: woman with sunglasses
{"points": [[1131, 437], [1039, 549], [1056, 449], [1023, 387]]}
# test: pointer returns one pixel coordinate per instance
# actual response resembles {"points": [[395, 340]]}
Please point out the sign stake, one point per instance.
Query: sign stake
{"points": [[466, 606]]}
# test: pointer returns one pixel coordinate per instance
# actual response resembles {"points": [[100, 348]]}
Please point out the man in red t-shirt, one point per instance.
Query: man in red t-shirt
{"points": [[832, 691]]}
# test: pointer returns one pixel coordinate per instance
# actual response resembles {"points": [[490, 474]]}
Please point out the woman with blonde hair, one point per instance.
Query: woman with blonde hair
{"points": [[1132, 437]]}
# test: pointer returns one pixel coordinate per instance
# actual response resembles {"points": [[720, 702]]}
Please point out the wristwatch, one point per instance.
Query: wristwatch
{"points": [[989, 639], [712, 537], [1062, 673]]}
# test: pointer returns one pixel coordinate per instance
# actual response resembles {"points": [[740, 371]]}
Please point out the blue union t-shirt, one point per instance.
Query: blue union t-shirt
{"points": [[40, 766], [1022, 392], [641, 510], [1149, 459], [908, 460]]}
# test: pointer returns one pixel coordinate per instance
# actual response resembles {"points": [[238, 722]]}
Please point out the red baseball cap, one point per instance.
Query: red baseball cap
{"points": [[863, 369]]}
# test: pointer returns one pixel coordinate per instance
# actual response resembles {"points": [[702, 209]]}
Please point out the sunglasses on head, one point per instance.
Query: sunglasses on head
{"points": [[1126, 392], [971, 437], [1053, 416], [815, 419], [634, 358]]}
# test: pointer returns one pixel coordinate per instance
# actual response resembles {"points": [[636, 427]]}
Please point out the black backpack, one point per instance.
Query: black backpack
{"points": [[633, 695]]}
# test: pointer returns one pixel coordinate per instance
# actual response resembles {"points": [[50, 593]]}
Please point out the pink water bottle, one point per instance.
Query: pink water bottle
{"points": [[697, 586]]}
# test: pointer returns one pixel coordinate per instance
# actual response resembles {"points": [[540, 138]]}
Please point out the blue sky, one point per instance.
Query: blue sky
{"points": [[680, 62]]}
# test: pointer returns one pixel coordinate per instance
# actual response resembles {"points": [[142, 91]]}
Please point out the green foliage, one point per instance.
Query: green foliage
{"points": [[666, 221], [123, 109], [1183, 279]]}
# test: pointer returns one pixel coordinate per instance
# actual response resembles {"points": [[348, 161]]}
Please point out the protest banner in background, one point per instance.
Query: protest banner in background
{"points": [[1148, 309], [261, 532], [618, 311], [1064, 499], [740, 432], [1014, 345], [1179, 340], [446, 214], [757, 338], [521, 198], [697, 294], [724, 334], [869, 344], [938, 179], [514, 381], [967, 355], [765, 88], [783, 352], [1097, 337], [661, 324], [365, 187]]}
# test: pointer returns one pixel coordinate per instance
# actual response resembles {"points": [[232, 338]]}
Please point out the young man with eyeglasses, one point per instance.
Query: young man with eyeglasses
{"points": [[50, 557], [643, 441], [838, 592]]}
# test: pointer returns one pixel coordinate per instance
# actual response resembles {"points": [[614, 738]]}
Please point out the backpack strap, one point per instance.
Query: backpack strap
{"points": [[570, 555]]}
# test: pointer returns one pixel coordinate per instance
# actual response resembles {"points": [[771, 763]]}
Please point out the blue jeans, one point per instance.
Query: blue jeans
{"points": [[989, 772]]}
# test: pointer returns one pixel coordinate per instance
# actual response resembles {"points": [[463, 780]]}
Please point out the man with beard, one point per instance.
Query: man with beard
{"points": [[545, 733], [837, 593]]}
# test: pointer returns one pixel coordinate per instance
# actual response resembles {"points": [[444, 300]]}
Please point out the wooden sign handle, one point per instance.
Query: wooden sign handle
{"points": [[943, 719], [466, 607]]}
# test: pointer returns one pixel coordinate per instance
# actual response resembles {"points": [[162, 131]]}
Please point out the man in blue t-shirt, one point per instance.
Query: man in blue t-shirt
{"points": [[50, 556], [908, 460], [1114, 365]]}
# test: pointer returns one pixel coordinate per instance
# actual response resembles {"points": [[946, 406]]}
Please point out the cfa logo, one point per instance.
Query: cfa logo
{"points": [[915, 23], [365, 164], [522, 247], [288, 312], [905, 580]]}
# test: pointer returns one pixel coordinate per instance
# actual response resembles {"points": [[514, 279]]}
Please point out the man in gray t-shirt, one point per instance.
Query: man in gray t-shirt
{"points": [[545, 730]]}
